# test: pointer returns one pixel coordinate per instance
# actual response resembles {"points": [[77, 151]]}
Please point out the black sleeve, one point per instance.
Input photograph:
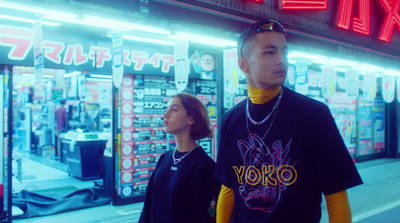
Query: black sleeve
{"points": [[205, 193], [222, 170], [145, 216], [334, 166]]}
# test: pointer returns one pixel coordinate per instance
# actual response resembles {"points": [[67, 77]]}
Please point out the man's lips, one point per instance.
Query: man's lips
{"points": [[165, 123]]}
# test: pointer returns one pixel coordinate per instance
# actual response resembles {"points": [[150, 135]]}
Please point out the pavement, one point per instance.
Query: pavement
{"points": [[376, 201]]}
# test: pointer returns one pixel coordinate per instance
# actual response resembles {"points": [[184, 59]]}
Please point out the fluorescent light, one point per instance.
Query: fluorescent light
{"points": [[101, 76], [341, 62], [370, 68], [19, 19], [75, 73], [390, 72], [28, 75], [33, 75], [204, 39], [19, 7], [148, 40], [98, 80], [315, 58], [87, 20]]}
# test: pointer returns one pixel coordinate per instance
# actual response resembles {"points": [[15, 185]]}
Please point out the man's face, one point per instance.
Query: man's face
{"points": [[265, 60]]}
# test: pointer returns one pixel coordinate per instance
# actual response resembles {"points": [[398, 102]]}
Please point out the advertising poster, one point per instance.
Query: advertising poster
{"points": [[2, 147], [365, 131], [369, 87], [329, 81], [351, 81], [379, 125], [343, 110], [388, 88]]}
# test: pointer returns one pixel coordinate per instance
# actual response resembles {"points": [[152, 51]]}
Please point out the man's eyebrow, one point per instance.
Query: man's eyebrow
{"points": [[274, 47]]}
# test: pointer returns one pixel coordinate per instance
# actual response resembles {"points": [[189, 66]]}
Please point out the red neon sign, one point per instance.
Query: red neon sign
{"points": [[303, 4], [392, 18], [361, 24]]}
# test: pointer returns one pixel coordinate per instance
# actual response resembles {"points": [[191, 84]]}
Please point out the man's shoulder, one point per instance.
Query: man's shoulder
{"points": [[302, 101], [238, 107]]}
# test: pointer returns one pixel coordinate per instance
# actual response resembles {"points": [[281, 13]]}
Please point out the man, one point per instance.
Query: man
{"points": [[61, 119], [279, 151]]}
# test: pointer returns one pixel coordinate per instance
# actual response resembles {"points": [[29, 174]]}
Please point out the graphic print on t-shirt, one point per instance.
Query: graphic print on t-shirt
{"points": [[265, 174]]}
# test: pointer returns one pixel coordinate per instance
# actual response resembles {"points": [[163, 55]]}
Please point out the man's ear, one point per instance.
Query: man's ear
{"points": [[243, 65]]}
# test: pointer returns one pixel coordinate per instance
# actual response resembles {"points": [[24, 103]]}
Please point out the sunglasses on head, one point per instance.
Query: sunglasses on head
{"points": [[265, 25]]}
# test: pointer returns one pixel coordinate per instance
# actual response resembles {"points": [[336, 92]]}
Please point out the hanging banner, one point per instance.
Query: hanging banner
{"points": [[182, 64], [329, 81], [398, 88], [379, 125], [388, 83], [351, 80], [117, 58], [369, 87], [231, 71], [301, 82], [38, 54]]}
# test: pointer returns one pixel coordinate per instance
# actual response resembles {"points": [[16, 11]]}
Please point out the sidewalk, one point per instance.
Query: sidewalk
{"points": [[380, 189], [379, 192]]}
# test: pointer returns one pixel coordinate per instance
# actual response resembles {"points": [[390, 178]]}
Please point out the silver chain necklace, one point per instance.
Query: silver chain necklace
{"points": [[180, 159], [272, 122], [269, 115]]}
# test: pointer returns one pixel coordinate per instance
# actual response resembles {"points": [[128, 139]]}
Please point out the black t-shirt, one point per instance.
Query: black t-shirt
{"points": [[281, 178], [181, 192]]}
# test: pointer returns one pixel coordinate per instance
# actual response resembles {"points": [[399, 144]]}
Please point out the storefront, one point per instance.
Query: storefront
{"points": [[117, 83]]}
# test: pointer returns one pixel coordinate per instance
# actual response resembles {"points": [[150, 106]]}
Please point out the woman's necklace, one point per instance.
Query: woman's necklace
{"points": [[177, 160], [269, 115]]}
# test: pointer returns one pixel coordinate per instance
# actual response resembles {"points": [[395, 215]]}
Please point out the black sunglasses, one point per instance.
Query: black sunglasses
{"points": [[265, 25]]}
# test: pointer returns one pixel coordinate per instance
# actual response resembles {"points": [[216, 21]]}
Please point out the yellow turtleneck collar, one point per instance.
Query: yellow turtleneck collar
{"points": [[261, 96]]}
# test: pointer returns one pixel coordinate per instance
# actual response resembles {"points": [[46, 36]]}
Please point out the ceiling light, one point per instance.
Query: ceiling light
{"points": [[390, 72], [101, 76], [204, 39], [314, 58], [19, 19], [19, 7], [75, 73], [342, 62], [148, 40], [98, 80]]}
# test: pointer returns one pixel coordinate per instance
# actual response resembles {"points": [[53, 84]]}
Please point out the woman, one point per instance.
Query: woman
{"points": [[182, 187]]}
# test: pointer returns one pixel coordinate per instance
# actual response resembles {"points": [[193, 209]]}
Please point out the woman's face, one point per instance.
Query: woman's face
{"points": [[176, 119]]}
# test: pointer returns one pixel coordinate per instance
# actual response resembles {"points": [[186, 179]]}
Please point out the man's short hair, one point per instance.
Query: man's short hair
{"points": [[264, 25], [63, 101]]}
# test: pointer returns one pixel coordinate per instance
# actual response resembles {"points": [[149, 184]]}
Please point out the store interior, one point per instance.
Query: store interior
{"points": [[40, 163]]}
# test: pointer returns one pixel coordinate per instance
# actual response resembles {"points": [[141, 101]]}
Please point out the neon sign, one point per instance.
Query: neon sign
{"points": [[360, 24], [317, 4]]}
